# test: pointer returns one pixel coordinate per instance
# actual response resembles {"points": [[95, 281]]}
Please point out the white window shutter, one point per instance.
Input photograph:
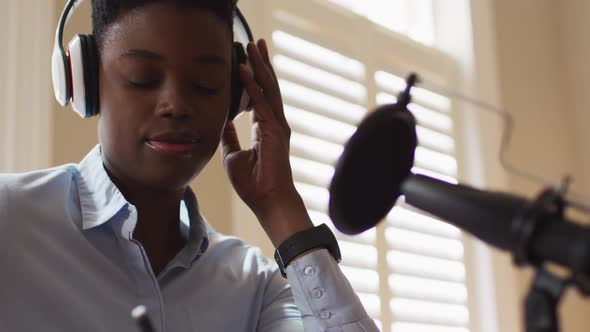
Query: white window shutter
{"points": [[409, 272]]}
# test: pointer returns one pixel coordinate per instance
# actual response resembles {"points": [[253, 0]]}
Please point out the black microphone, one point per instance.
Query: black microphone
{"points": [[375, 169], [534, 231], [375, 161]]}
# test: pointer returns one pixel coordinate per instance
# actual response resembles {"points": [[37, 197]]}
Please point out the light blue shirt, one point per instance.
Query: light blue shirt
{"points": [[69, 262]]}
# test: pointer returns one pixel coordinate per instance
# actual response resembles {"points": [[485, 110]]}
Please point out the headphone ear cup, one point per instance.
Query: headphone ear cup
{"points": [[240, 101], [84, 67], [61, 76], [76, 53]]}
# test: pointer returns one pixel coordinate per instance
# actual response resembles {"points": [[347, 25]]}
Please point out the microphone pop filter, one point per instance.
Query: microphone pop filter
{"points": [[368, 176]]}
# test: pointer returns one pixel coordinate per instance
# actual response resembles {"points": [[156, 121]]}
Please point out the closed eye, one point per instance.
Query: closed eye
{"points": [[208, 91], [153, 84], [146, 85]]}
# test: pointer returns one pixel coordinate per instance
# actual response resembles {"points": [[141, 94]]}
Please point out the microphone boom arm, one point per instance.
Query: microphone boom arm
{"points": [[535, 233]]}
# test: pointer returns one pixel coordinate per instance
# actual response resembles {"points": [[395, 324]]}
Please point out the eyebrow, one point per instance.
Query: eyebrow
{"points": [[140, 53]]}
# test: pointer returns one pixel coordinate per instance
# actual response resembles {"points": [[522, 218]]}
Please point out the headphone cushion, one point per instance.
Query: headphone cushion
{"points": [[237, 88], [90, 62], [240, 101]]}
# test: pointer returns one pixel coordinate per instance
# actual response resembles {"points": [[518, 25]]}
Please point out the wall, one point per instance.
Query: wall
{"points": [[575, 46], [542, 50], [24, 85]]}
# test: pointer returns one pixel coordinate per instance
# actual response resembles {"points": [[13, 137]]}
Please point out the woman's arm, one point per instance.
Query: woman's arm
{"points": [[263, 178]]}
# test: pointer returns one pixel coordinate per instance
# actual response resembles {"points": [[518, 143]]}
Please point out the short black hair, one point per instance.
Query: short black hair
{"points": [[106, 12]]}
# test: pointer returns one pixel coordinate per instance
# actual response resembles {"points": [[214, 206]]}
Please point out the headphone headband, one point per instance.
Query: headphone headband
{"points": [[67, 13], [75, 72], [71, 6], [245, 26]]}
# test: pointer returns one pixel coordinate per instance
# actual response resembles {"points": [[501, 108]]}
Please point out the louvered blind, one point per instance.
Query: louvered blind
{"points": [[409, 271], [325, 97], [424, 255]]}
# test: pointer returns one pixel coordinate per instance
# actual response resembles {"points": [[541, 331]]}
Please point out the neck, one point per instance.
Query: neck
{"points": [[155, 206], [158, 221], [158, 214], [158, 227]]}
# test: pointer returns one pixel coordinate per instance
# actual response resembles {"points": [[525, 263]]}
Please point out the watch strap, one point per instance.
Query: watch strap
{"points": [[317, 237]]}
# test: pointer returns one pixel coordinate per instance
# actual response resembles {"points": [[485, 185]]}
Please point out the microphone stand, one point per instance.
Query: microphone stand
{"points": [[547, 289], [542, 301]]}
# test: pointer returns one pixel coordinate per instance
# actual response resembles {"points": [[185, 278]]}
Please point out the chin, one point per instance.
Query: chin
{"points": [[167, 181], [176, 172]]}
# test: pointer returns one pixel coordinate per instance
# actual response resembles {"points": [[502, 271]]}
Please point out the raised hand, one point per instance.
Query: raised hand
{"points": [[262, 175]]}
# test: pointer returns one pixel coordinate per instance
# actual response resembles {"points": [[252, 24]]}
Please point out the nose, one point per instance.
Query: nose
{"points": [[174, 102]]}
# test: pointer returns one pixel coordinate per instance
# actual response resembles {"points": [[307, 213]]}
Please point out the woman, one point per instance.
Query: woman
{"points": [[81, 245]]}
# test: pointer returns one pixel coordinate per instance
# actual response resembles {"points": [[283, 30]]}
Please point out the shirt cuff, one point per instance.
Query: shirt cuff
{"points": [[322, 292]]}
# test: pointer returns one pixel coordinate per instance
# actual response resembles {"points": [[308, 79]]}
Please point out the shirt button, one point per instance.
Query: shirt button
{"points": [[309, 271], [317, 293], [325, 314]]}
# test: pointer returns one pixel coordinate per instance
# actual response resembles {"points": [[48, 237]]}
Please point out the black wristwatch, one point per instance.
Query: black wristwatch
{"points": [[317, 237]]}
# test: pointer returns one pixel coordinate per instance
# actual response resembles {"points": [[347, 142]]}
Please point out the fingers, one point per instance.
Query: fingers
{"points": [[266, 78], [263, 74], [255, 133], [262, 109], [229, 140], [265, 56], [280, 112]]}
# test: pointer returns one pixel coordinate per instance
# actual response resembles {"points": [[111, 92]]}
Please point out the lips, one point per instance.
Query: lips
{"points": [[174, 142]]}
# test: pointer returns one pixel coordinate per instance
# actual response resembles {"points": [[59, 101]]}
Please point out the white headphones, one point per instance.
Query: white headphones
{"points": [[75, 73]]}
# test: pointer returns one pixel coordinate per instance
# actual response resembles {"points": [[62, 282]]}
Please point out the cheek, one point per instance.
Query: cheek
{"points": [[116, 96], [222, 119], [120, 117], [212, 112]]}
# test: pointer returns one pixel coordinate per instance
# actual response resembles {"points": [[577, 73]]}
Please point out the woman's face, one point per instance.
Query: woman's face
{"points": [[164, 94]]}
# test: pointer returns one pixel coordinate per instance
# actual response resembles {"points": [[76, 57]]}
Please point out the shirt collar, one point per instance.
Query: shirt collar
{"points": [[198, 241], [101, 201]]}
